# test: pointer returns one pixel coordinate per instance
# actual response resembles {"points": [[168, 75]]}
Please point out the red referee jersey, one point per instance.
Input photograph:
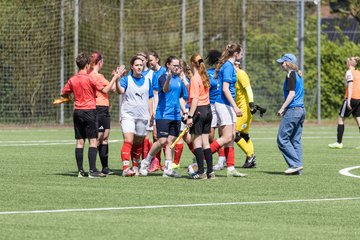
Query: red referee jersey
{"points": [[84, 88]]}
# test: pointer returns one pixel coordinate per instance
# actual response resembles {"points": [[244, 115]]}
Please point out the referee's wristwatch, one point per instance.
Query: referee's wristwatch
{"points": [[190, 117]]}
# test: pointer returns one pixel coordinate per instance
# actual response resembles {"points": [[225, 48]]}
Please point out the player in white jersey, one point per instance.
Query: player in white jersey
{"points": [[136, 113], [148, 73]]}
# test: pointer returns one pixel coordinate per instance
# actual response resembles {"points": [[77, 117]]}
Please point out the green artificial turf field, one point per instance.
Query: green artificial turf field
{"points": [[42, 198]]}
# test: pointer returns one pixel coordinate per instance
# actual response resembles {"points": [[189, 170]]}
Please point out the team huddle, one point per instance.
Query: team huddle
{"points": [[160, 103]]}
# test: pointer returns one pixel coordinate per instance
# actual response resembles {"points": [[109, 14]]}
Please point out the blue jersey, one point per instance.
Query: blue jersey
{"points": [[214, 85], [139, 82], [226, 74], [168, 107], [156, 76]]}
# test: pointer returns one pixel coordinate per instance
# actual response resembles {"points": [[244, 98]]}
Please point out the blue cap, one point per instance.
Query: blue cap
{"points": [[287, 57]]}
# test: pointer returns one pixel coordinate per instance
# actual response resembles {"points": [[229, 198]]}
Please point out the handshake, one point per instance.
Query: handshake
{"points": [[254, 108]]}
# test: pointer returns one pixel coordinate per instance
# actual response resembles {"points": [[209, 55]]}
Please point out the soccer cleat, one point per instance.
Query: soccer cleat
{"points": [[235, 173], [211, 175], [175, 166], [96, 174], [171, 173], [154, 165], [136, 171], [250, 162], [218, 167], [336, 145], [82, 173], [293, 170], [200, 176], [144, 166], [128, 172], [107, 171]]}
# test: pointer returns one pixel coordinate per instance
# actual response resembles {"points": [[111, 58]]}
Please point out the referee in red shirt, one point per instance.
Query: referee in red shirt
{"points": [[84, 88]]}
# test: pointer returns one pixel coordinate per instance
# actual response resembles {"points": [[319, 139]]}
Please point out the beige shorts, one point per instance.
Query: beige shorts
{"points": [[225, 114], [136, 126]]}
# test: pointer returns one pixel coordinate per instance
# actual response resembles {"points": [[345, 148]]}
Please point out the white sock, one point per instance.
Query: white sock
{"points": [[221, 160], [231, 168], [148, 158], [168, 164]]}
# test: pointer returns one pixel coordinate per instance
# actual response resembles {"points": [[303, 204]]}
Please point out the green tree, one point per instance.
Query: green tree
{"points": [[346, 8]]}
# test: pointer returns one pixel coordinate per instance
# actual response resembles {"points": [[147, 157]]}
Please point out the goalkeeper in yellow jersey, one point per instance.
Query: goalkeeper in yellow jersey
{"points": [[245, 101]]}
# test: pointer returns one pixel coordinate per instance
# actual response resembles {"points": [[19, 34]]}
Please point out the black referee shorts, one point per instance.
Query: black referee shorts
{"points": [[85, 124], [103, 118], [202, 122], [344, 111]]}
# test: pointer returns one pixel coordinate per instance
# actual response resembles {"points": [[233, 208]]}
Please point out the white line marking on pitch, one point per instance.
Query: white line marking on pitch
{"points": [[178, 206], [41, 143], [346, 172]]}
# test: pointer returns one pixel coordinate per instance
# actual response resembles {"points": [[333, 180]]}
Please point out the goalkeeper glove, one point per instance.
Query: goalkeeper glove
{"points": [[252, 108]]}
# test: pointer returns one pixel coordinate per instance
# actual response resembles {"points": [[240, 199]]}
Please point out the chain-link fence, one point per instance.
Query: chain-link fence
{"points": [[39, 41]]}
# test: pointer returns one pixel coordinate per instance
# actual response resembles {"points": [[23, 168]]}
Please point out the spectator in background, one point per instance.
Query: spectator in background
{"points": [[84, 88], [350, 103], [293, 113]]}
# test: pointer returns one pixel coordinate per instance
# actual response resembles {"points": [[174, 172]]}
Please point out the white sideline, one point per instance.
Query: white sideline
{"points": [[41, 143], [177, 206], [346, 172]]}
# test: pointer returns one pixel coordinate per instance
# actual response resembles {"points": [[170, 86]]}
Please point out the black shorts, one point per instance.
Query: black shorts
{"points": [[103, 118], [202, 122], [85, 124], [164, 128], [355, 107], [344, 111]]}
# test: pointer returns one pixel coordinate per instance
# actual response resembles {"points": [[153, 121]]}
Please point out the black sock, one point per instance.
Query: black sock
{"points": [[92, 158], [209, 160], [198, 152], [79, 156], [340, 132], [103, 154]]}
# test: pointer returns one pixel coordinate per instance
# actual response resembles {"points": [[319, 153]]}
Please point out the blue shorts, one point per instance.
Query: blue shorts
{"points": [[164, 128]]}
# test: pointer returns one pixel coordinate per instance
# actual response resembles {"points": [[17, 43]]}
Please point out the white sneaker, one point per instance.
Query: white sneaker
{"points": [[336, 145], [144, 167], [218, 167], [171, 173], [234, 173], [293, 170]]}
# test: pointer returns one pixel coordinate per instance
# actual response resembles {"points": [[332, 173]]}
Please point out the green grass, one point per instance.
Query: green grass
{"points": [[43, 177]]}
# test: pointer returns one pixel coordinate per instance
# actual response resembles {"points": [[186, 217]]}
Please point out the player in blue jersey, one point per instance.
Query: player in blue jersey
{"points": [[168, 115], [293, 113], [179, 146], [154, 61], [136, 112], [212, 60], [226, 107]]}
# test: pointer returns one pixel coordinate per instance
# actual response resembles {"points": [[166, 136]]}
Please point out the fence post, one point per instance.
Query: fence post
{"points": [[318, 61], [183, 30], [62, 58], [76, 33]]}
